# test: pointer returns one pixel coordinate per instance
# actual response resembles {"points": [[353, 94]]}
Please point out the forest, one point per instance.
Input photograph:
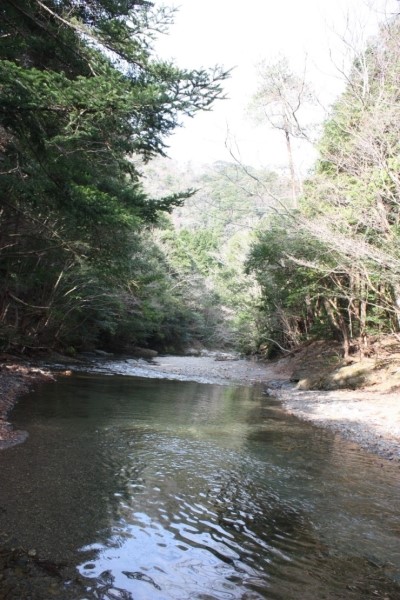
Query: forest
{"points": [[105, 243]]}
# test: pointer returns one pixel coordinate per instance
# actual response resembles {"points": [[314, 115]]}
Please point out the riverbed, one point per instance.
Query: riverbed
{"points": [[145, 488]]}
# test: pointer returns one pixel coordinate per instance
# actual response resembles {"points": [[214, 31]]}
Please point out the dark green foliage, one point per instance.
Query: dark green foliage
{"points": [[80, 94]]}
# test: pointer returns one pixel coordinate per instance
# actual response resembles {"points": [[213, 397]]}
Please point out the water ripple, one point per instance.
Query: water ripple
{"points": [[226, 521], [175, 491]]}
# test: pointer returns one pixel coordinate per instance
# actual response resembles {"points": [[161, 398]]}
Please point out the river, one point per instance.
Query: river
{"points": [[147, 489]]}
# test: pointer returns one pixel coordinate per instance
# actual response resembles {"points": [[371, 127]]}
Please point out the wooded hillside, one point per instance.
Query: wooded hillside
{"points": [[331, 268], [255, 259]]}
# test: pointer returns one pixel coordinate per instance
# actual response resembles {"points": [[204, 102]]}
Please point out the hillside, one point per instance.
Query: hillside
{"points": [[321, 365]]}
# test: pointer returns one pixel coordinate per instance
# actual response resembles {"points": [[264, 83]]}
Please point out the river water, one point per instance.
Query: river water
{"points": [[144, 489]]}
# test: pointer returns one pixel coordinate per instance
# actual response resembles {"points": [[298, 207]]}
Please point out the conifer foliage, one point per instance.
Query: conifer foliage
{"points": [[81, 92]]}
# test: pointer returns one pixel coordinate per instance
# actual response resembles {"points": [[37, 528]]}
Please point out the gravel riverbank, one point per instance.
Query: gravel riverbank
{"points": [[370, 419]]}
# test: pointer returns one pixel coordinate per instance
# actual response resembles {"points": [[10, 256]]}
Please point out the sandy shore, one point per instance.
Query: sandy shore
{"points": [[369, 418]]}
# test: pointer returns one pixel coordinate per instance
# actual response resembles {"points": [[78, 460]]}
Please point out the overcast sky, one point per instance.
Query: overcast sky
{"points": [[238, 35]]}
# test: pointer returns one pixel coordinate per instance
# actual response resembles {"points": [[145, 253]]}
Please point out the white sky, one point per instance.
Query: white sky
{"points": [[239, 34]]}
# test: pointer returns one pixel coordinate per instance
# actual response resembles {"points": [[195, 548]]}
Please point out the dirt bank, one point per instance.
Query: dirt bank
{"points": [[15, 380]]}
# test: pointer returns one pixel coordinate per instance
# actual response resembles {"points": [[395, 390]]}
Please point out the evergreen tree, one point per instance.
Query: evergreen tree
{"points": [[80, 93]]}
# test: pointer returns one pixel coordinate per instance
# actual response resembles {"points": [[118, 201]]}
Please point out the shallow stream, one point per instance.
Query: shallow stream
{"points": [[149, 489]]}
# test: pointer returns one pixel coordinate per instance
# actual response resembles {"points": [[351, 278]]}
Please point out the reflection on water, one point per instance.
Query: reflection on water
{"points": [[161, 490]]}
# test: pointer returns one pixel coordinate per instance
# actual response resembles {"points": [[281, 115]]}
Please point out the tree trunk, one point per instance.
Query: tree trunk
{"points": [[339, 325], [396, 292], [291, 164]]}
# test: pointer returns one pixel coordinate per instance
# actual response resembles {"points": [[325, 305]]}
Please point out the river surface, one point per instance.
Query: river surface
{"points": [[144, 489]]}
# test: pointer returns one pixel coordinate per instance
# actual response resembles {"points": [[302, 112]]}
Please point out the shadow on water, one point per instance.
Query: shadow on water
{"points": [[162, 490]]}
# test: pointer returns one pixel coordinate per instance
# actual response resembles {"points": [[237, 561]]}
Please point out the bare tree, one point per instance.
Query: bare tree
{"points": [[279, 100]]}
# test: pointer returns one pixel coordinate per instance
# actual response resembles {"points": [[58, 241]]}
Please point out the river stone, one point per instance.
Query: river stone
{"points": [[144, 352]]}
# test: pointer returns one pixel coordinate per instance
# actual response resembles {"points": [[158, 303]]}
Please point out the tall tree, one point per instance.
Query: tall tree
{"points": [[80, 93], [279, 100], [341, 251]]}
